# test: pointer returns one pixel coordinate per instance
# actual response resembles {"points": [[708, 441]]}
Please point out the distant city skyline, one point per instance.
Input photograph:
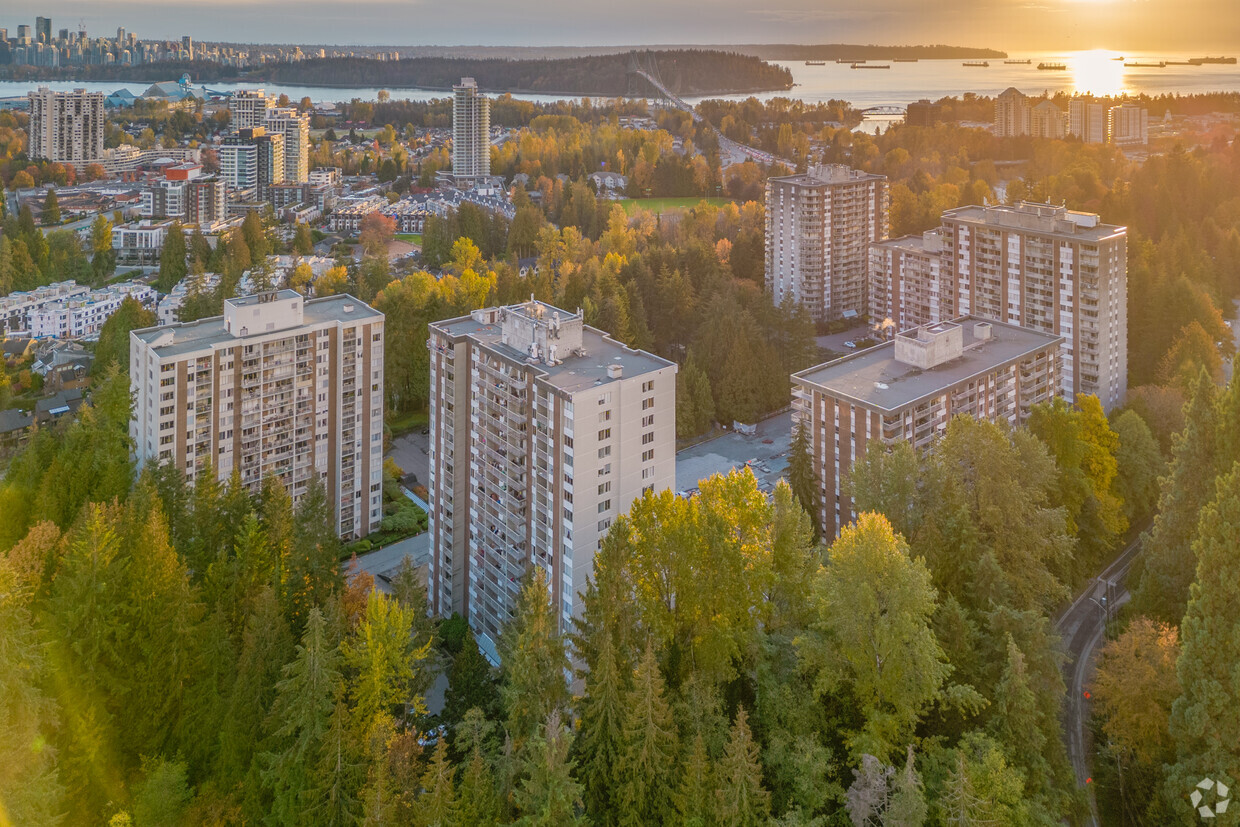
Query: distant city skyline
{"points": [[1017, 25]]}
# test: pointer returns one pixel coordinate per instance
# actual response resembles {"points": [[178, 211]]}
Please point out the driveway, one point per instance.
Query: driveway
{"points": [[411, 452]]}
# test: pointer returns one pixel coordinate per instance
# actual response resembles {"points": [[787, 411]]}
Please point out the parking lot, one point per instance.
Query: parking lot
{"points": [[766, 453]]}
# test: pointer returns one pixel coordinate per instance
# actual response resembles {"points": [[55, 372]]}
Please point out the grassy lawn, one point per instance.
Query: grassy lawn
{"points": [[399, 422], [412, 238], [661, 204]]}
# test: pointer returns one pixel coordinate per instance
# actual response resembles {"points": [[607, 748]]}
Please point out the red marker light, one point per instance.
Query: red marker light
{"points": [[1087, 696], [1089, 780]]}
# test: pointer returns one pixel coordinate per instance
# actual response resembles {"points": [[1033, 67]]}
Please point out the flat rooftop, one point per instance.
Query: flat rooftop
{"points": [[1047, 219], [209, 332], [571, 373], [874, 378], [913, 243], [828, 174]]}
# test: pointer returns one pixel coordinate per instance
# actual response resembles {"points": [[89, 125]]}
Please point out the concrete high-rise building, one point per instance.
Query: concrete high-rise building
{"points": [[248, 108], [295, 127], [1087, 120], [908, 389], [66, 126], [187, 46], [543, 431], [1013, 114], [43, 30], [923, 113], [279, 386], [1053, 270], [1128, 125], [252, 159], [471, 133], [908, 284], [204, 201], [1047, 121], [819, 226]]}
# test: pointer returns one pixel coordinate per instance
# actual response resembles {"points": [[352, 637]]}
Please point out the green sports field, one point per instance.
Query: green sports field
{"points": [[412, 238], [658, 205]]}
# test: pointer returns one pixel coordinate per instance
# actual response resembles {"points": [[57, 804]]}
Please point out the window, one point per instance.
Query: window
{"points": [[647, 473], [647, 387], [648, 421], [603, 525], [604, 470], [605, 451], [648, 403], [647, 456], [648, 438], [604, 434], [568, 442], [605, 505], [604, 399], [605, 416], [568, 496], [604, 488]]}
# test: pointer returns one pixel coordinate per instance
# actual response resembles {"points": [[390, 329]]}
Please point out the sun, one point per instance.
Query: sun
{"points": [[1098, 71]]}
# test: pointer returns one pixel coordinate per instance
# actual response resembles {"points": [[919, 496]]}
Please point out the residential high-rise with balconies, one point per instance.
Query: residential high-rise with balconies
{"points": [[819, 226], [279, 386], [471, 133], [907, 390], [543, 431], [248, 108], [1052, 270], [66, 126], [1013, 114], [908, 285], [295, 127]]}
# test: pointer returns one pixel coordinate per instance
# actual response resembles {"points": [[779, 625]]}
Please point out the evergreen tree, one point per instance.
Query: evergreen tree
{"points": [[695, 804], [471, 685], [301, 717], [803, 479], [172, 259], [113, 345], [1140, 465], [600, 741], [1169, 563], [476, 801], [1205, 721], [742, 800], [644, 790], [437, 802], [1016, 720], [51, 209], [163, 794], [303, 244], [534, 660], [313, 573], [30, 784], [549, 795]]}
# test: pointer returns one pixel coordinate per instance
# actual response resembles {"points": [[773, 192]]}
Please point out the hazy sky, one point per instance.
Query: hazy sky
{"points": [[1013, 25]]}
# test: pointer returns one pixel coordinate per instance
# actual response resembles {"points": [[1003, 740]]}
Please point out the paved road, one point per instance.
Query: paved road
{"points": [[1082, 627]]}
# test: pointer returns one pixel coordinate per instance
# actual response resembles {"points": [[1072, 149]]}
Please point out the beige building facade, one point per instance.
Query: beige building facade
{"points": [[543, 431]]}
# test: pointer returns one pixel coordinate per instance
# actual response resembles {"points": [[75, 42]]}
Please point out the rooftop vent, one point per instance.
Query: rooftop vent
{"points": [[981, 331], [614, 371], [348, 308]]}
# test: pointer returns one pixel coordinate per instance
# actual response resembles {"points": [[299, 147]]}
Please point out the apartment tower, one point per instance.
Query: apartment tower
{"points": [[471, 133], [908, 284], [819, 226], [295, 127], [1013, 115], [1053, 270], [66, 126], [543, 431], [248, 108], [907, 390], [279, 386]]}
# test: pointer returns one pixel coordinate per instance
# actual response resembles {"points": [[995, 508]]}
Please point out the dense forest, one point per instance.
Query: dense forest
{"points": [[689, 72]]}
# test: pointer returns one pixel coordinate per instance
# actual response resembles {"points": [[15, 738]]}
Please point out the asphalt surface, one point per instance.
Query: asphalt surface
{"points": [[1082, 627]]}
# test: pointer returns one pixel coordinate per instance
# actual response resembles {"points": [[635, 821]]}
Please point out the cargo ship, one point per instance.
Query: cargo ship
{"points": [[1052, 67], [871, 66], [1162, 64], [815, 63], [979, 63], [1215, 61], [904, 59], [1018, 62]]}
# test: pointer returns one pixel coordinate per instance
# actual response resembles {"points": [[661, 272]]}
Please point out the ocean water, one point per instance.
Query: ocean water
{"points": [[1093, 72]]}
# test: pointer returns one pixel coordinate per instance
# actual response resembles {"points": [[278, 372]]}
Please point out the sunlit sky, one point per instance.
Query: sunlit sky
{"points": [[1163, 26]]}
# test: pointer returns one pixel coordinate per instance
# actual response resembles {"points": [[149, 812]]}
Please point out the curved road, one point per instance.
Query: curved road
{"points": [[1082, 626]]}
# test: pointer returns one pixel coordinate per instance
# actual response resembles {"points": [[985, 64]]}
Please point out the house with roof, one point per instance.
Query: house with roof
{"points": [[15, 428], [18, 349]]}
